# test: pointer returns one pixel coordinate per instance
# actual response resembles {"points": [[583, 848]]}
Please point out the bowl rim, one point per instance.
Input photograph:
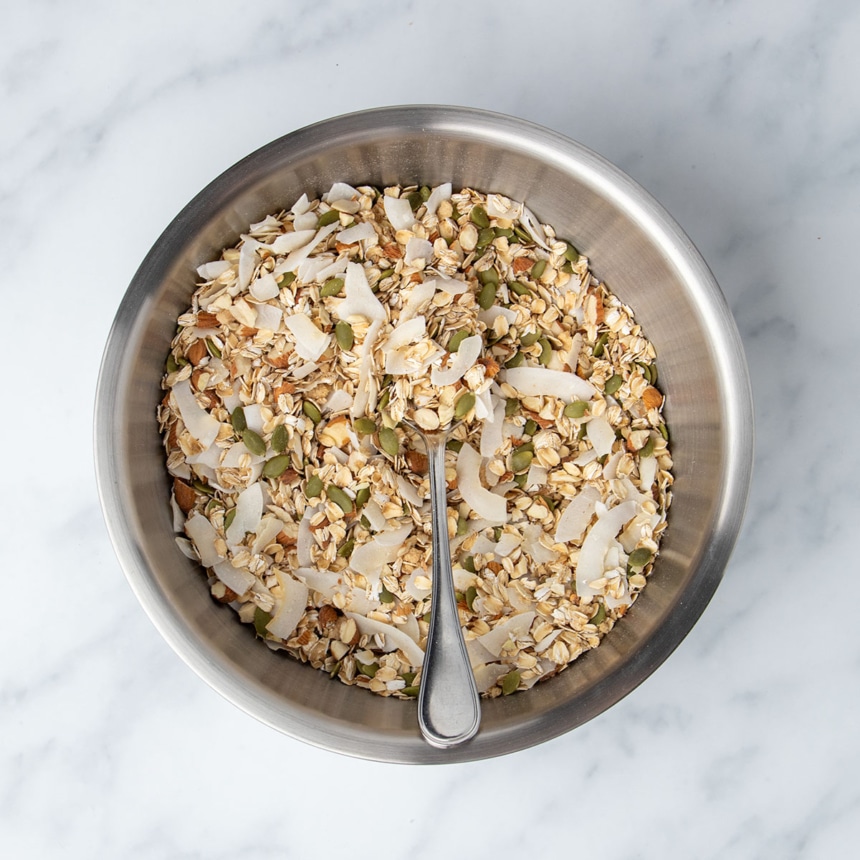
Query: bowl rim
{"points": [[656, 222]]}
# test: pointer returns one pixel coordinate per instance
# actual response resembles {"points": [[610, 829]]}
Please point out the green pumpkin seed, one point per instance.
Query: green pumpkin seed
{"points": [[385, 273], [344, 335], [253, 442], [312, 411], [237, 419], [279, 440], [529, 338], [340, 498], [479, 216], [469, 564], [516, 360], [576, 409], [487, 295], [570, 253], [364, 426], [212, 348], [639, 558], [229, 517], [332, 287], [522, 234], [464, 405], [471, 594], [425, 192], [582, 431], [518, 288], [505, 232], [664, 431], [510, 682], [171, 366], [488, 276], [545, 351], [485, 237], [345, 551], [328, 218], [599, 617], [520, 480], [384, 398], [537, 270], [459, 597], [462, 525], [409, 677], [497, 534], [314, 487], [453, 445], [389, 441], [261, 619], [365, 522], [512, 406], [647, 450], [530, 427], [601, 343], [521, 460], [369, 669], [457, 338], [410, 691], [276, 467], [385, 596], [286, 279], [361, 497], [202, 487], [613, 384], [652, 373], [415, 200]]}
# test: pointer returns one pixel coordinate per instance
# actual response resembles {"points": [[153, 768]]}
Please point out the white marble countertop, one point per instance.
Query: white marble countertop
{"points": [[743, 119]]}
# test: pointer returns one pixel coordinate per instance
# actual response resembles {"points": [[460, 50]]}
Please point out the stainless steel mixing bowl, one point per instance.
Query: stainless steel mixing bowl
{"points": [[633, 244]]}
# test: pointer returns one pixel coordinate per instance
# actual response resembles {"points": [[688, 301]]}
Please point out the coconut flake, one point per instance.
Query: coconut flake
{"points": [[336, 267], [405, 334], [203, 535], [577, 515], [647, 472], [365, 366], [408, 492], [512, 628], [338, 401], [374, 515], [488, 675], [601, 435], [340, 191], [536, 475], [298, 256], [291, 606], [540, 382], [533, 227], [269, 528], [210, 271], [486, 504], [452, 286], [235, 578], [488, 317], [264, 288], [199, 423], [292, 241], [420, 295], [395, 537], [507, 543], [305, 539], [301, 205], [394, 639], [187, 548], [437, 195], [461, 361], [311, 343], [359, 298], [326, 582], [492, 431], [398, 210], [370, 558], [411, 587], [306, 221], [356, 233], [610, 470], [247, 263], [249, 511], [418, 249], [532, 544], [268, 317], [597, 543]]}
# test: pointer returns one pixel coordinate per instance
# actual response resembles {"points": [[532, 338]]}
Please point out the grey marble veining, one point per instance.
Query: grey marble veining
{"points": [[742, 118]]}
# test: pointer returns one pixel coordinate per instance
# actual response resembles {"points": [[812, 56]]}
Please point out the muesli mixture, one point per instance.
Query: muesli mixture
{"points": [[305, 497]]}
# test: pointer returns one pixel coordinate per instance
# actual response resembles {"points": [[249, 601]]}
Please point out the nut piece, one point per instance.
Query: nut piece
{"points": [[348, 632], [185, 496], [197, 352], [652, 398]]}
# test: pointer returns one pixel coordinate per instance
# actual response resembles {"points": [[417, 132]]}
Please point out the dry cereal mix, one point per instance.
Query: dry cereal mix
{"points": [[305, 497]]}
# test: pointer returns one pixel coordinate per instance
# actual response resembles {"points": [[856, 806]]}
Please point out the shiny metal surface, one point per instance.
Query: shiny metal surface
{"points": [[449, 709], [633, 244]]}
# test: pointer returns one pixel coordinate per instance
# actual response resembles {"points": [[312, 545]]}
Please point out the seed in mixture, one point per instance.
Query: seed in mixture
{"points": [[304, 495]]}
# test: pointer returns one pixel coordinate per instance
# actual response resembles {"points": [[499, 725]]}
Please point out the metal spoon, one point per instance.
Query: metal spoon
{"points": [[449, 709]]}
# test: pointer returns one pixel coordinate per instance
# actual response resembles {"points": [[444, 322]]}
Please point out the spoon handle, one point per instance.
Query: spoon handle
{"points": [[449, 710]]}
